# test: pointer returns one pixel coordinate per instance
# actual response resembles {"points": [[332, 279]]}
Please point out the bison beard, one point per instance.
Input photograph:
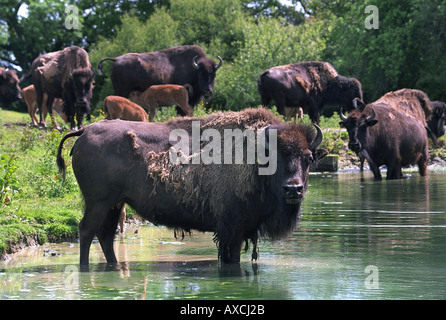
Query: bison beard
{"points": [[232, 201]]}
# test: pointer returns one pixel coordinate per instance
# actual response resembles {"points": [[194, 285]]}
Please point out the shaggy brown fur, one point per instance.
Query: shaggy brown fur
{"points": [[412, 102], [64, 74]]}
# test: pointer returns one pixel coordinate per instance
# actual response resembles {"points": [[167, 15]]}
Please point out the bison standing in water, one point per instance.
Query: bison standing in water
{"points": [[385, 136], [64, 74], [117, 162], [311, 85]]}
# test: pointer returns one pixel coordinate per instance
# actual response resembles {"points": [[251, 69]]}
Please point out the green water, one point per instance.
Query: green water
{"points": [[358, 239]]}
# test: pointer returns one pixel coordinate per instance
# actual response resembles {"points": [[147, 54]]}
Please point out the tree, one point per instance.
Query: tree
{"points": [[44, 29], [406, 51]]}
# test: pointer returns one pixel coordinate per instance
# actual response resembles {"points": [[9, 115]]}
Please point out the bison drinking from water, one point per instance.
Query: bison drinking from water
{"points": [[310, 85], [177, 65], [385, 136], [64, 74], [236, 196]]}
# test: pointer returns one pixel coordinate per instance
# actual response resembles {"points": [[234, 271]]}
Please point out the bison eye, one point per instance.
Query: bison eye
{"points": [[308, 158]]}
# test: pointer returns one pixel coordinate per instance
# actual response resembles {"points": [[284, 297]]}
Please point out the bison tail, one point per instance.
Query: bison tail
{"points": [[190, 89], [100, 64], [60, 160]]}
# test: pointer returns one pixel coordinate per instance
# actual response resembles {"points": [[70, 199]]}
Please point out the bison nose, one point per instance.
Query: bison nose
{"points": [[293, 191], [354, 146]]}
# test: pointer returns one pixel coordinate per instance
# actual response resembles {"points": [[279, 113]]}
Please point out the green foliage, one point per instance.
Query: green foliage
{"points": [[9, 184], [40, 207], [406, 51]]}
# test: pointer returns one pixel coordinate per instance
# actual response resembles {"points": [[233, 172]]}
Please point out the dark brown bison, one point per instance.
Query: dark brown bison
{"points": [[64, 74], [142, 164], [116, 107], [164, 95], [437, 121], [9, 87], [311, 85], [385, 136], [177, 65], [416, 103]]}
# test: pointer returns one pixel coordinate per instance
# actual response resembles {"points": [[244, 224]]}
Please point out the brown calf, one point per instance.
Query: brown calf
{"points": [[116, 107], [164, 95], [29, 94]]}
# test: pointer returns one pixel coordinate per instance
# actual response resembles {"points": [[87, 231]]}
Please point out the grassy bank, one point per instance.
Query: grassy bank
{"points": [[35, 207]]}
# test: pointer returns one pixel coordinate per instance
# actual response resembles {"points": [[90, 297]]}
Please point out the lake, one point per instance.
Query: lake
{"points": [[358, 239]]}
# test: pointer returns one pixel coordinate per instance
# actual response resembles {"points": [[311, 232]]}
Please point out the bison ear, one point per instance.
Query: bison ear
{"points": [[358, 103]]}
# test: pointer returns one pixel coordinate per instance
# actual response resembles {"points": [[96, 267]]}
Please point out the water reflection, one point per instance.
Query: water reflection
{"points": [[351, 225]]}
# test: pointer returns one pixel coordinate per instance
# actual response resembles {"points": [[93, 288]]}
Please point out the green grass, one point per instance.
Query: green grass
{"points": [[44, 209]]}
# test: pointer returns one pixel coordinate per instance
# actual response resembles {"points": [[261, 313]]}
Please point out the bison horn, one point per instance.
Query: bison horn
{"points": [[317, 141], [219, 65], [361, 103], [194, 63], [371, 117], [341, 114]]}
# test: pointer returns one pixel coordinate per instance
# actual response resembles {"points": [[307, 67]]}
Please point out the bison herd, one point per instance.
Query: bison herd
{"points": [[120, 162]]}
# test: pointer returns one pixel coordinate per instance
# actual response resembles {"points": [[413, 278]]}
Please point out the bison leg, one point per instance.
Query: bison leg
{"points": [[423, 162], [229, 249], [39, 101], [107, 232], [48, 108], [89, 226], [79, 119], [152, 110], [394, 170]]}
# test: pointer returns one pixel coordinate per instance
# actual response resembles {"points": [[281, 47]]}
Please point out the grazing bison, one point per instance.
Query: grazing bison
{"points": [[164, 95], [177, 65], [64, 74], [116, 107], [29, 95], [310, 85], [118, 162], [385, 136], [9, 87]]}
